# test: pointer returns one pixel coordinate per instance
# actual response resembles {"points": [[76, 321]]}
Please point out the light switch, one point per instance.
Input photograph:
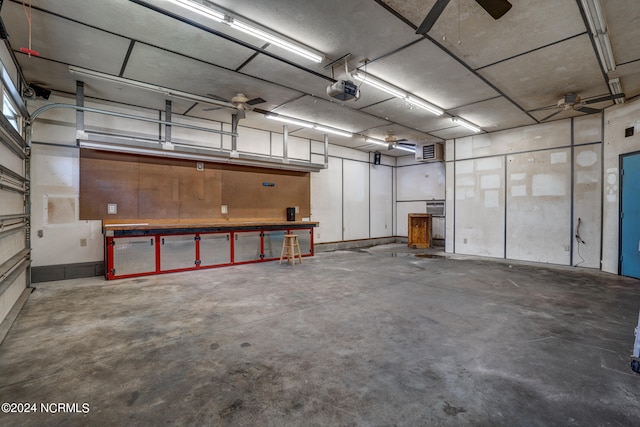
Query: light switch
{"points": [[112, 208], [224, 209]]}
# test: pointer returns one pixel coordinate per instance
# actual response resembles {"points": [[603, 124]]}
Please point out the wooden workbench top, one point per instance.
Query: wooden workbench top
{"points": [[146, 224]]}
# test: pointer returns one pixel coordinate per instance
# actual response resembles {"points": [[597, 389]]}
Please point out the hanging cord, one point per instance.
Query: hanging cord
{"points": [[579, 240], [27, 13], [365, 73], [459, 42]]}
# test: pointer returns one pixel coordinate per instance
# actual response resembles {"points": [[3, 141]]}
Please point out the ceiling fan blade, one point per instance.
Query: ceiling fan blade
{"points": [[255, 101], [551, 115], [495, 8], [587, 110], [260, 111], [219, 98], [551, 107], [408, 144], [604, 98], [432, 16]]}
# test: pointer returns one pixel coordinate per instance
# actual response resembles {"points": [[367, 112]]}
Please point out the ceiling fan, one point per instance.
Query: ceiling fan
{"points": [[495, 8], [392, 141], [241, 103], [571, 101]]}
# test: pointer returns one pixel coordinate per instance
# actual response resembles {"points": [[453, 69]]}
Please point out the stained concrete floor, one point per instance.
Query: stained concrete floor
{"points": [[375, 337]]}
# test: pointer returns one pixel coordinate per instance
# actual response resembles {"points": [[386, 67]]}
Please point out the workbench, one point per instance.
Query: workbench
{"points": [[140, 248]]}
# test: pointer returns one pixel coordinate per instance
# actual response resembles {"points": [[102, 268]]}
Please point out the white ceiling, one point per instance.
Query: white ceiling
{"points": [[489, 72]]}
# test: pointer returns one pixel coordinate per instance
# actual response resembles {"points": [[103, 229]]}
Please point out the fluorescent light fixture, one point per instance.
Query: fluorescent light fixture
{"points": [[598, 25], [246, 28], [334, 131], [289, 120], [83, 72], [465, 124], [410, 150], [379, 84], [616, 88], [387, 144], [200, 9], [376, 141], [303, 123], [239, 25], [398, 93], [423, 104]]}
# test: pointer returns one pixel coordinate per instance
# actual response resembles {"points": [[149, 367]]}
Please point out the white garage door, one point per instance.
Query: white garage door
{"points": [[14, 218]]}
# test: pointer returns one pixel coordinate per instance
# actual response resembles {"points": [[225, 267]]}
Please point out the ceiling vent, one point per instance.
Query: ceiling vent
{"points": [[430, 152]]}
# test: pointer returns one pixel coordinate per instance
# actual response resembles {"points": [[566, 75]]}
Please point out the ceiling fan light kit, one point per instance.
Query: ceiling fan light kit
{"points": [[263, 35]]}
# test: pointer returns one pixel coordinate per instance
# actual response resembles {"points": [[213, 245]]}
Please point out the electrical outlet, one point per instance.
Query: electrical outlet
{"points": [[200, 166], [112, 208], [224, 209]]}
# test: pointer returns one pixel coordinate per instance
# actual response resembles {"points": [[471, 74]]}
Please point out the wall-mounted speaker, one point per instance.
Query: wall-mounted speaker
{"points": [[376, 158]]}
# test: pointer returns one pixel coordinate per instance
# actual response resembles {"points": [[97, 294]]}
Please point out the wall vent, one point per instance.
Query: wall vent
{"points": [[430, 152]]}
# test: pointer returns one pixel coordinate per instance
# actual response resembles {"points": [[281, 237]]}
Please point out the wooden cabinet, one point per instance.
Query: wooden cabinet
{"points": [[419, 231]]}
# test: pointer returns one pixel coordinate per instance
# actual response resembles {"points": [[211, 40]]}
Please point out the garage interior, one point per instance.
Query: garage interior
{"points": [[156, 152]]}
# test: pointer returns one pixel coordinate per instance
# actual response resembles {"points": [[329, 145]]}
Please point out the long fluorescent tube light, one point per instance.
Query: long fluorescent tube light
{"points": [[140, 85], [303, 123], [200, 9], [616, 88], [275, 40], [372, 81], [398, 93], [386, 144], [423, 104], [410, 150], [333, 131], [289, 120], [465, 124], [376, 141], [598, 26], [246, 28]]}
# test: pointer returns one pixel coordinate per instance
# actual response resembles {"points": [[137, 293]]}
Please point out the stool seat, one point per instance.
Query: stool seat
{"points": [[290, 249]]}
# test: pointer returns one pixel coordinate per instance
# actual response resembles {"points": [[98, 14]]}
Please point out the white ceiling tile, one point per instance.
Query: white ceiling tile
{"points": [[433, 75], [542, 77]]}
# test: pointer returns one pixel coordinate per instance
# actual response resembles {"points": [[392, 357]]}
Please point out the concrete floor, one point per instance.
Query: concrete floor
{"points": [[375, 337]]}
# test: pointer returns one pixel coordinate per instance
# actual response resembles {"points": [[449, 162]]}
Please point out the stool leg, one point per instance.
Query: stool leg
{"points": [[292, 254], [299, 251], [284, 245]]}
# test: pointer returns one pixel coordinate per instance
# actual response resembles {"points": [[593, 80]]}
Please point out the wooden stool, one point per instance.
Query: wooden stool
{"points": [[289, 246]]}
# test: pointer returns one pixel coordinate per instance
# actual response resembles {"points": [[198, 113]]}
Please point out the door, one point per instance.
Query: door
{"points": [[630, 216]]}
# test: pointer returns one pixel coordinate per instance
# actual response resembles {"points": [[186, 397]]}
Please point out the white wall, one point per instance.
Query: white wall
{"points": [[521, 193], [353, 198], [417, 184], [617, 119]]}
